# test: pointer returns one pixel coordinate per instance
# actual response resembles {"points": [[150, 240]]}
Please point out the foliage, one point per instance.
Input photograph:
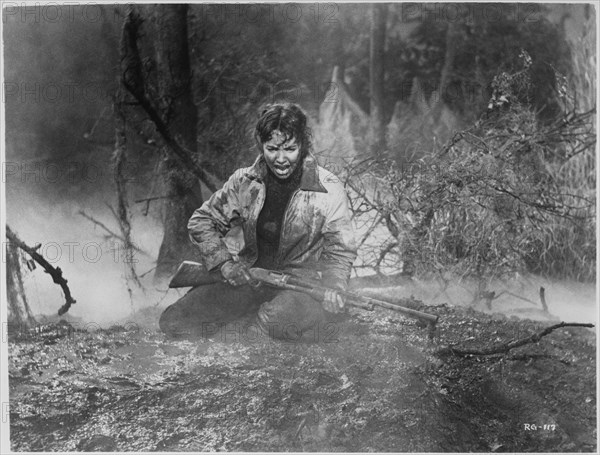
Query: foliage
{"points": [[481, 48], [505, 195]]}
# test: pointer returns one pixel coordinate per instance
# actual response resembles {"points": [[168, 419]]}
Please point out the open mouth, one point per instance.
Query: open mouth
{"points": [[281, 170]]}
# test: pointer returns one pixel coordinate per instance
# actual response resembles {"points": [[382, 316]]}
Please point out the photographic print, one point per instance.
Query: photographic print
{"points": [[299, 227]]}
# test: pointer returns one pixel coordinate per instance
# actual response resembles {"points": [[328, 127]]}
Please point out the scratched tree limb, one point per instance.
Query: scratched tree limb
{"points": [[54, 272], [505, 347]]}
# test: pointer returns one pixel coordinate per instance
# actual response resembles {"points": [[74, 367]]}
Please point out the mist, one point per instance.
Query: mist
{"points": [[94, 263], [60, 82]]}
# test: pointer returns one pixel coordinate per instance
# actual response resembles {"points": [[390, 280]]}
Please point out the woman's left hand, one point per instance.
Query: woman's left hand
{"points": [[333, 302]]}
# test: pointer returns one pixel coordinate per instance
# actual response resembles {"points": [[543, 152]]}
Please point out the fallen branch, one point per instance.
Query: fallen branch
{"points": [[54, 272], [505, 347]]}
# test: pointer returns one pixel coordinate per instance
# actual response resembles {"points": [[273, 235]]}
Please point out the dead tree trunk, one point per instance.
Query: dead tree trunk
{"points": [[19, 313], [377, 70], [180, 115]]}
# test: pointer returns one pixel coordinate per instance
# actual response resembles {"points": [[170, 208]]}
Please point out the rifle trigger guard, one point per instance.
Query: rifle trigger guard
{"points": [[255, 283]]}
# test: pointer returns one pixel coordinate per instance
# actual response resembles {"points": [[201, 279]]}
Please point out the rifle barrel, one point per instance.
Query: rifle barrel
{"points": [[430, 318], [359, 300]]}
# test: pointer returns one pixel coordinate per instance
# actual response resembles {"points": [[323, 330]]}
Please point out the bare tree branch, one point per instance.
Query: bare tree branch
{"points": [[505, 347], [54, 272], [110, 232]]}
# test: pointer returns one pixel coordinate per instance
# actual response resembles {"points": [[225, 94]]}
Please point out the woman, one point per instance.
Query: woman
{"points": [[295, 218]]}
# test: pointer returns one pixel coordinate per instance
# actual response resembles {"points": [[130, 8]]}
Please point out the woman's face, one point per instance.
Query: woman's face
{"points": [[282, 154]]}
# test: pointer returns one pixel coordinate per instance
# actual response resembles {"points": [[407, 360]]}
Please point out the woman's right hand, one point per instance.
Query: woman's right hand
{"points": [[236, 273]]}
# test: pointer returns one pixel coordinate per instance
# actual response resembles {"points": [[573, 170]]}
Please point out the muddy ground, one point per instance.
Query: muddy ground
{"points": [[375, 383]]}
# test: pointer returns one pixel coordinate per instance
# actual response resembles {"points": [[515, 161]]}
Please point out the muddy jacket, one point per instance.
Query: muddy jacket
{"points": [[316, 233]]}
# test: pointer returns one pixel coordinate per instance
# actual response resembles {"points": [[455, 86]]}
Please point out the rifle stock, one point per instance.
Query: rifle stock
{"points": [[194, 274]]}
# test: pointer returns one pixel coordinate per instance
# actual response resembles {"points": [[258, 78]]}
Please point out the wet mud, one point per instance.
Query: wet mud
{"points": [[374, 383]]}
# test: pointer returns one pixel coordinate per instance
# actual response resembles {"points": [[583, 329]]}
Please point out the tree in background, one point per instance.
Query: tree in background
{"points": [[437, 79], [200, 122], [174, 80], [377, 75]]}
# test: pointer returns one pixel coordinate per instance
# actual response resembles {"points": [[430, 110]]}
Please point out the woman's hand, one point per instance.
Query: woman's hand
{"points": [[333, 302], [236, 273]]}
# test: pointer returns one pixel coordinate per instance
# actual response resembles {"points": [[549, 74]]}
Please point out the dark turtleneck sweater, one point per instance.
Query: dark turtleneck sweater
{"points": [[270, 221]]}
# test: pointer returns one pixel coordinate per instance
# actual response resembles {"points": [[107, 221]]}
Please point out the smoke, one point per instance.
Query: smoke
{"points": [[93, 262], [567, 301]]}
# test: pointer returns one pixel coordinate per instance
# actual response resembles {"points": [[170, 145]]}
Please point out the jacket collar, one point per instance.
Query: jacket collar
{"points": [[310, 173]]}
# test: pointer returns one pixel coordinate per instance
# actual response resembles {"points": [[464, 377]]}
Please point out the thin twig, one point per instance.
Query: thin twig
{"points": [[148, 200], [109, 231], [370, 230]]}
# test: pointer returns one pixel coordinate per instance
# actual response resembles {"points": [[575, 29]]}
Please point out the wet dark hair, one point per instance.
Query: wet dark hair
{"points": [[288, 118]]}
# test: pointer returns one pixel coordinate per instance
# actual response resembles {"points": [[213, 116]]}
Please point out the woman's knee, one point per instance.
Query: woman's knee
{"points": [[288, 315], [205, 309], [172, 321]]}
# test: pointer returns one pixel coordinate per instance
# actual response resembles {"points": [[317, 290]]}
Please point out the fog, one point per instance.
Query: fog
{"points": [[95, 264], [58, 92], [96, 268]]}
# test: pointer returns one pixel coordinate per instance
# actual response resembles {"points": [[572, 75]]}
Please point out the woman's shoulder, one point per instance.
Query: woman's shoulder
{"points": [[244, 173]]}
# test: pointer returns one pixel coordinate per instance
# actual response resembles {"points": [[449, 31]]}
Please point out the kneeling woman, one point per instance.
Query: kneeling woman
{"points": [[295, 218]]}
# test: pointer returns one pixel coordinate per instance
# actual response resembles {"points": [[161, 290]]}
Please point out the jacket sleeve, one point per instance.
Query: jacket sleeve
{"points": [[339, 244], [213, 220]]}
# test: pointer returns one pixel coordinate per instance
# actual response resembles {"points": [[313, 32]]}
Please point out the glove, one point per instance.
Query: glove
{"points": [[236, 273], [333, 302]]}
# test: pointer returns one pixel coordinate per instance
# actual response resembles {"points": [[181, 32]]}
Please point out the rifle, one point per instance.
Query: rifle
{"points": [[195, 274]]}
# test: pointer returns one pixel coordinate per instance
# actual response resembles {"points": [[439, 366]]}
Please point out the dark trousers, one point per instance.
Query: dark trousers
{"points": [[244, 314]]}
